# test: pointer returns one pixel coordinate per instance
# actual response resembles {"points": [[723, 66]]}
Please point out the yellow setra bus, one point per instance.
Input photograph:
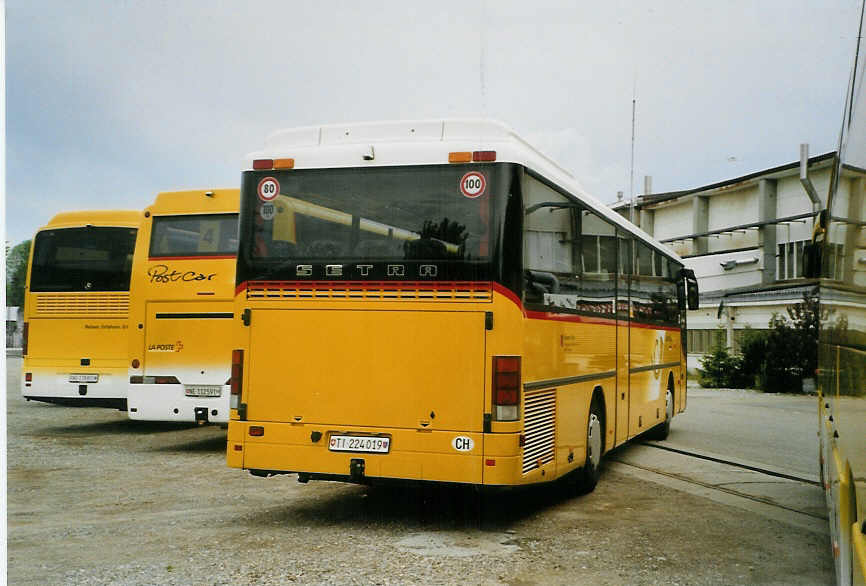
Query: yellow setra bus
{"points": [[437, 301], [181, 315], [76, 309], [837, 258]]}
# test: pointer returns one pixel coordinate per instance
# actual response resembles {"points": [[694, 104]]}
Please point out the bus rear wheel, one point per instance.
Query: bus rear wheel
{"points": [[587, 477]]}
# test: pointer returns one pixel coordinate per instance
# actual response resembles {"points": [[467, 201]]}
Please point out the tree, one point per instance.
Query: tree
{"points": [[792, 345], [16, 273]]}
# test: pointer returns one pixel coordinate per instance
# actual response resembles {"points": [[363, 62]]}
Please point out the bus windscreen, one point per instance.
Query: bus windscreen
{"points": [[89, 258], [369, 217]]}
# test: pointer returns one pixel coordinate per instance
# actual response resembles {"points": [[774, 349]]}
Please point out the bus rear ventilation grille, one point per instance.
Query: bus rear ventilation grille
{"points": [[371, 290], [539, 425], [89, 304]]}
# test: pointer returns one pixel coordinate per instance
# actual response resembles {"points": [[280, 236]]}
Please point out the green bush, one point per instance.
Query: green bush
{"points": [[753, 350], [720, 369]]}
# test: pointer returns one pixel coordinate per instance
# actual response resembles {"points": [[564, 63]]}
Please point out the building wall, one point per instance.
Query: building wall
{"points": [[737, 261]]}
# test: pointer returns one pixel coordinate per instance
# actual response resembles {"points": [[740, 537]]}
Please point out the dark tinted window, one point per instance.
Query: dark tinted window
{"points": [[654, 290], [82, 259], [199, 235]]}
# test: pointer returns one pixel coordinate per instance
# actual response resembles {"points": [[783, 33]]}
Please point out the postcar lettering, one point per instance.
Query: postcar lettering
{"points": [[165, 274], [396, 270], [304, 270]]}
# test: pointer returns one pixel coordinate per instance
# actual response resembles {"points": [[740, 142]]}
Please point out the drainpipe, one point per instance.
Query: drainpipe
{"points": [[804, 177]]}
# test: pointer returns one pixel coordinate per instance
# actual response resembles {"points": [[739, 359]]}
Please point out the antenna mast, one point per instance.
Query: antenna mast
{"points": [[631, 171]]}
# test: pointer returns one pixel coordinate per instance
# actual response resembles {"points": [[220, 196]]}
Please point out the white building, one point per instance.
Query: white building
{"points": [[744, 239], [14, 327]]}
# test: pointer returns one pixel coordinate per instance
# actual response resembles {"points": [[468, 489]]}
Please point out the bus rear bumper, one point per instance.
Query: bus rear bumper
{"points": [[168, 402], [52, 386], [414, 455]]}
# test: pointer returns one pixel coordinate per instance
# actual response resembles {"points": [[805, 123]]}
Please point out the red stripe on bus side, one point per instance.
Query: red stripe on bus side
{"points": [[202, 257]]}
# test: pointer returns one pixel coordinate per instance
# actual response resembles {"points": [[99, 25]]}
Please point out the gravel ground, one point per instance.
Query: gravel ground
{"points": [[94, 498]]}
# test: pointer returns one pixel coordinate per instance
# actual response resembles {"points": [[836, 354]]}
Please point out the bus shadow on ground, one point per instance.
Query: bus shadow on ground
{"points": [[427, 507], [118, 427], [208, 444]]}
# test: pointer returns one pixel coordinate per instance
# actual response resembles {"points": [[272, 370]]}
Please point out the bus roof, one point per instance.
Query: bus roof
{"points": [[196, 201], [125, 218], [426, 142]]}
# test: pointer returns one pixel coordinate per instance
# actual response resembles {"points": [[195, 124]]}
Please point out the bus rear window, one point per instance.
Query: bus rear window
{"points": [[198, 235], [82, 259], [413, 213]]}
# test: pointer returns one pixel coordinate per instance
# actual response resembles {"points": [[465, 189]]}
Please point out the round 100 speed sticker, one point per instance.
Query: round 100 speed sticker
{"points": [[473, 184], [269, 189]]}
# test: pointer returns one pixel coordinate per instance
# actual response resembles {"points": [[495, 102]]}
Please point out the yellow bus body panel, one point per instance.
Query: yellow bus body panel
{"points": [[378, 368]]}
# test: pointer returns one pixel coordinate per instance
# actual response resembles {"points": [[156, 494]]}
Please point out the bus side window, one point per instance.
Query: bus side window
{"points": [[549, 245], [599, 264]]}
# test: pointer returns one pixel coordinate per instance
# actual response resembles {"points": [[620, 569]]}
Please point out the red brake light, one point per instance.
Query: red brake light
{"points": [[263, 164], [506, 387], [25, 334], [237, 378], [257, 430], [135, 363], [479, 156], [166, 380], [28, 377]]}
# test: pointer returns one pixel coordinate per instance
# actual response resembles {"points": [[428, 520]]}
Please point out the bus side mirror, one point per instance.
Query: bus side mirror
{"points": [[691, 284], [812, 260]]}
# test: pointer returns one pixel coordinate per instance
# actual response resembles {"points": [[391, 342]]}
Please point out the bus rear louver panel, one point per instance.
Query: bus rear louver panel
{"points": [[539, 424], [371, 291], [82, 304]]}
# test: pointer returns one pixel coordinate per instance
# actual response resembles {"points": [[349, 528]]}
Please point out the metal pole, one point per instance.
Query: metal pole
{"points": [[631, 172]]}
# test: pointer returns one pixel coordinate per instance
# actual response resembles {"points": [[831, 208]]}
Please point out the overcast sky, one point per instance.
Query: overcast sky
{"points": [[110, 102]]}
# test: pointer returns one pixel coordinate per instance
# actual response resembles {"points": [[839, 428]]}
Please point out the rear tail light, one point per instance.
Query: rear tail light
{"points": [[459, 157], [263, 164], [28, 377], [506, 388], [237, 378], [484, 156], [25, 334]]}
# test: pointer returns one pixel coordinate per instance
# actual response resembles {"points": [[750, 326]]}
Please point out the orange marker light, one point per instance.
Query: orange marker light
{"points": [[460, 157], [284, 163]]}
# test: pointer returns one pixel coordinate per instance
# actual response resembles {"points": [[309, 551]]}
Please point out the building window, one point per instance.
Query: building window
{"points": [[704, 341], [789, 260]]}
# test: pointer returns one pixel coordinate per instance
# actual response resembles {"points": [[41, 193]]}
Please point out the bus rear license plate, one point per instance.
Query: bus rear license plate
{"points": [[83, 378], [359, 443], [202, 390]]}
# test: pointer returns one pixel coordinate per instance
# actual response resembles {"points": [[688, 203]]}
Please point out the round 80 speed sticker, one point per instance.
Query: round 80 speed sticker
{"points": [[473, 184], [269, 189]]}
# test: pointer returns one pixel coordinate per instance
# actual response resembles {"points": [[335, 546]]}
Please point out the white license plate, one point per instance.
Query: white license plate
{"points": [[83, 378], [359, 443], [202, 390]]}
